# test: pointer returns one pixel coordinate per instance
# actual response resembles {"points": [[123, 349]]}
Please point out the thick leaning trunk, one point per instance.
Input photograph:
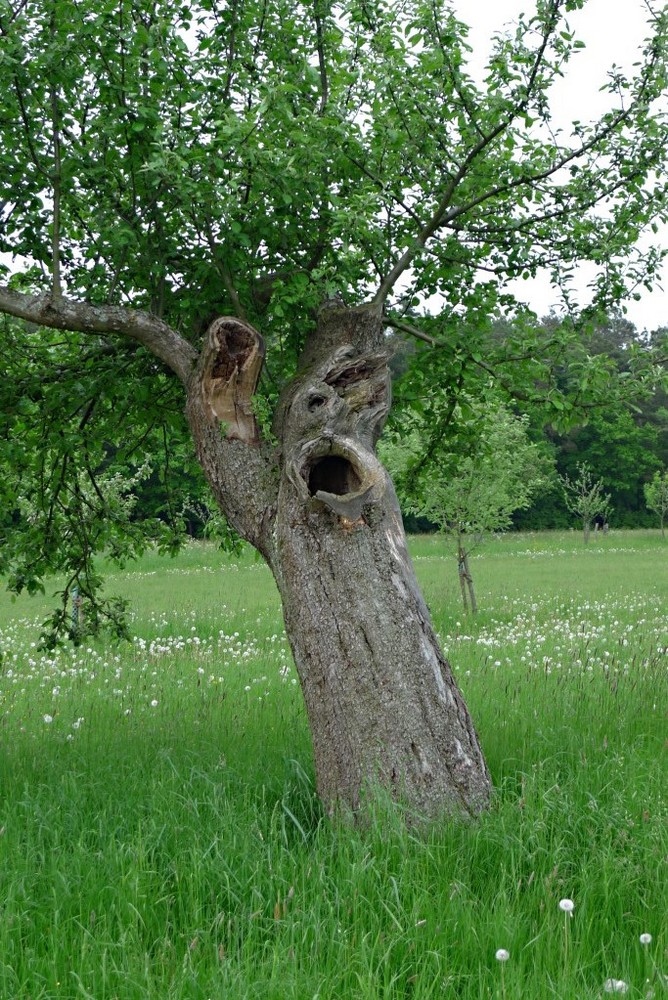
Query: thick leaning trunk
{"points": [[380, 696], [382, 703]]}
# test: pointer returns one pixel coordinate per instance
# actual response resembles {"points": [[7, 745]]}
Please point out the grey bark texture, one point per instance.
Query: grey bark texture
{"points": [[66, 314], [382, 703], [465, 578]]}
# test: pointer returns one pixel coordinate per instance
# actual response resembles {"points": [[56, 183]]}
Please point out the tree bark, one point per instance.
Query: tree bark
{"points": [[382, 703], [469, 584]]}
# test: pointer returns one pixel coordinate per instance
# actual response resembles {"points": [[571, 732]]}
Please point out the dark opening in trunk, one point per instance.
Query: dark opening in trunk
{"points": [[333, 474]]}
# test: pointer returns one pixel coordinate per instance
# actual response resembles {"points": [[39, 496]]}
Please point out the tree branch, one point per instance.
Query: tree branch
{"points": [[322, 62], [57, 291], [445, 212], [404, 327], [440, 214], [155, 335]]}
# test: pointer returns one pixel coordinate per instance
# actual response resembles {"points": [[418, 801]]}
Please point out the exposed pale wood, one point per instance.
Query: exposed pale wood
{"points": [[230, 366]]}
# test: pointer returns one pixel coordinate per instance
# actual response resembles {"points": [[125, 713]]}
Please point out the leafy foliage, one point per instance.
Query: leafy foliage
{"points": [[586, 498], [76, 453], [656, 496]]}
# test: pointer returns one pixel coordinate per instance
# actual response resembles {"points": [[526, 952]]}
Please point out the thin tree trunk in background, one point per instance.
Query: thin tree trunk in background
{"points": [[462, 586], [465, 578], [469, 584]]}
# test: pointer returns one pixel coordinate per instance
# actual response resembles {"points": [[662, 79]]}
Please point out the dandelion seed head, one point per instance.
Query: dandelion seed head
{"points": [[645, 938], [615, 986], [567, 905], [502, 955]]}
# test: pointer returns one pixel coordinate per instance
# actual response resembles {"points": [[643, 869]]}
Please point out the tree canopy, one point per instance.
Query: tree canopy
{"points": [[256, 157]]}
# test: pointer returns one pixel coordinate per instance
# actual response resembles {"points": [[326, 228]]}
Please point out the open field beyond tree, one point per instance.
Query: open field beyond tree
{"points": [[160, 836]]}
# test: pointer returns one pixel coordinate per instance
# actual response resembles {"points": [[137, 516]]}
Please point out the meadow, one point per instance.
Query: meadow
{"points": [[160, 836]]}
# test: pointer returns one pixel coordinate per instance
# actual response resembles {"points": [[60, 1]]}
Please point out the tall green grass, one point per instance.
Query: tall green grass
{"points": [[161, 838]]}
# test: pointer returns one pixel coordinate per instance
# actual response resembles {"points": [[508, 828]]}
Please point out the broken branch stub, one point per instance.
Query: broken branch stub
{"points": [[230, 366]]}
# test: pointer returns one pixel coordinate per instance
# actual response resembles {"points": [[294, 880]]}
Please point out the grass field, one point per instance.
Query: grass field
{"points": [[160, 837]]}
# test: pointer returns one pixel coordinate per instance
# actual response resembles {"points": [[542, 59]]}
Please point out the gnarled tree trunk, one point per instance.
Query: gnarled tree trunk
{"points": [[381, 699]]}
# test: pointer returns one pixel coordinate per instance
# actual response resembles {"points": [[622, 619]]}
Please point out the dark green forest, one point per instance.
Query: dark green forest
{"points": [[623, 444]]}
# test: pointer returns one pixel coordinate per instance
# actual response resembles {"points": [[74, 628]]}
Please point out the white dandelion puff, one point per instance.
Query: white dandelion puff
{"points": [[615, 986]]}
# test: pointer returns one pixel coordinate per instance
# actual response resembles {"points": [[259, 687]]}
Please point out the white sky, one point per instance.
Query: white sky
{"points": [[613, 32]]}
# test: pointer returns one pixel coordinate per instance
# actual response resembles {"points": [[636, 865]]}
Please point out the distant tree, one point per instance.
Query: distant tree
{"points": [[621, 448], [656, 497], [477, 493], [584, 496]]}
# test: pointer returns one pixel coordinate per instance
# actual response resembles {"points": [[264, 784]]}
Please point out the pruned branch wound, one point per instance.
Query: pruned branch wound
{"points": [[230, 366]]}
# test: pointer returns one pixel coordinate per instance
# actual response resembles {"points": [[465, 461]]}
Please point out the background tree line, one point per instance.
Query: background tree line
{"points": [[623, 441], [624, 446]]}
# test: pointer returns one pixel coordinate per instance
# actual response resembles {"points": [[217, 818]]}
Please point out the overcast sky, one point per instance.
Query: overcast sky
{"points": [[613, 32]]}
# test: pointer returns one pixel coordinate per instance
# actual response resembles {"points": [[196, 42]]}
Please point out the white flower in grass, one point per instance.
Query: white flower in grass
{"points": [[502, 955], [47, 719], [154, 703], [645, 938], [567, 905], [615, 986]]}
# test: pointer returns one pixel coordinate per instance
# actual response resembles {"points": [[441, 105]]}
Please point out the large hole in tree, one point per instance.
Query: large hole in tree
{"points": [[333, 474]]}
